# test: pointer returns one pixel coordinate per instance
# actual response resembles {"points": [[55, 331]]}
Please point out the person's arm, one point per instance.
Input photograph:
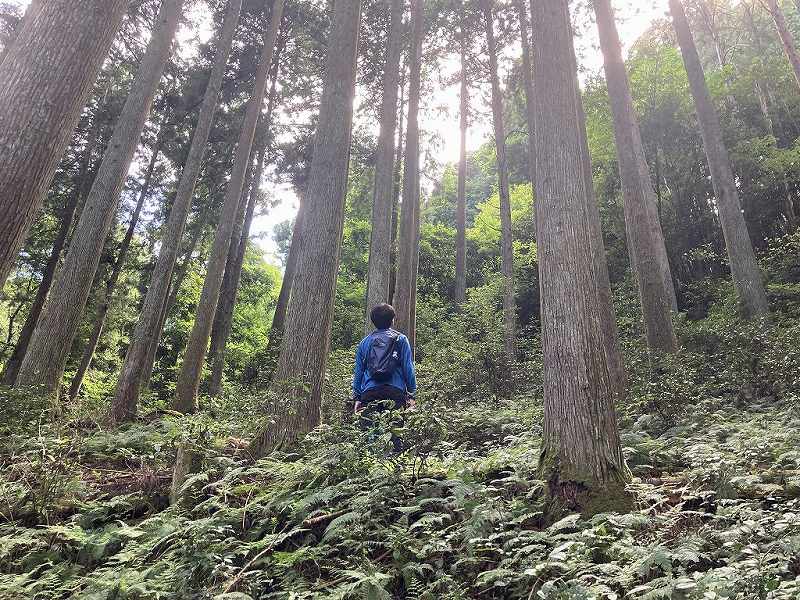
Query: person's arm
{"points": [[409, 373], [358, 375]]}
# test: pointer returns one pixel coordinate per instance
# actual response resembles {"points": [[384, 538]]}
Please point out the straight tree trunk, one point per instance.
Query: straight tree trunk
{"points": [[194, 357], [398, 184], [786, 37], [82, 186], [650, 262], [113, 279], [380, 245], [408, 245], [747, 276], [581, 458], [761, 86], [527, 79], [138, 363], [176, 283], [304, 349], [461, 198], [223, 320], [507, 240], [45, 80], [282, 304], [44, 362], [30, 14]]}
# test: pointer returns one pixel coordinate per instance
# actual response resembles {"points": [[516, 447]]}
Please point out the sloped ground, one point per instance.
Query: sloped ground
{"points": [[84, 513]]}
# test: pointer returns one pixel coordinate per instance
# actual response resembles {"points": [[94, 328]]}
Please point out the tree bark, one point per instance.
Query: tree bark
{"points": [[82, 186], [304, 350], [650, 261], [747, 277], [45, 80], [194, 357], [527, 79], [380, 245], [113, 279], [582, 458], [461, 198], [507, 240], [398, 184], [786, 37], [138, 363], [44, 362], [408, 241]]}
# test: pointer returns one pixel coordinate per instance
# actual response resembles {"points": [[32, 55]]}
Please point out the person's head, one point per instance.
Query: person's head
{"points": [[382, 316]]}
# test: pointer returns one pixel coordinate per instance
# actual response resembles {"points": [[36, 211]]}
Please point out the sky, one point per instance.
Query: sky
{"points": [[633, 16]]}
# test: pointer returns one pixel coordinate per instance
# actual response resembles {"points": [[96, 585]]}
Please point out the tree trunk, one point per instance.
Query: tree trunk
{"points": [[747, 276], [197, 346], [138, 363], [507, 240], [650, 262], [581, 458], [408, 245], [527, 78], [461, 198], [45, 80], [30, 14], [82, 186], [398, 184], [176, 282], [111, 284], [761, 86], [786, 37], [44, 363], [304, 350], [380, 239]]}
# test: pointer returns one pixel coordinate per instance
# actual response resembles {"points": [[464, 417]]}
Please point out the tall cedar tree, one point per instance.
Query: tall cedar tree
{"points": [[507, 240], [194, 357], [82, 185], [461, 197], [646, 240], [582, 458], [304, 349], [138, 363], [747, 277], [787, 40], [527, 80], [380, 244], [45, 79], [116, 271], [43, 365], [408, 242]]}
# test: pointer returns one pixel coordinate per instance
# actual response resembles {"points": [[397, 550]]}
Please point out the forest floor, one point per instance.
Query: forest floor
{"points": [[85, 514]]}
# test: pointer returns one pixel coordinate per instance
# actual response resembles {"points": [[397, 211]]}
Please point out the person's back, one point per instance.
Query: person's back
{"points": [[384, 364]]}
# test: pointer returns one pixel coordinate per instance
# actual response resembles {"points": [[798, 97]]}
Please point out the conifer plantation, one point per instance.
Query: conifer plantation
{"points": [[584, 216]]}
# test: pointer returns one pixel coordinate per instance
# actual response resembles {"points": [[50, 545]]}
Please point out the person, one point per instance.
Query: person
{"points": [[384, 372]]}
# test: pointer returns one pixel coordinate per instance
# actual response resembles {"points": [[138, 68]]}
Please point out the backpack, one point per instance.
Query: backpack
{"points": [[383, 358]]}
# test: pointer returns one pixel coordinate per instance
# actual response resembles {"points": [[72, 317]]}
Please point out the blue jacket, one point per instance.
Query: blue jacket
{"points": [[403, 378]]}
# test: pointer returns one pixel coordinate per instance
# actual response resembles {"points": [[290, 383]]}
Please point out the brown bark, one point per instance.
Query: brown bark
{"points": [[223, 320], [461, 198], [45, 80], [381, 235], [304, 349], [194, 357], [507, 241], [646, 240], [747, 277], [44, 362], [581, 455], [82, 186], [398, 184], [138, 363], [786, 37], [527, 79], [113, 279], [408, 241]]}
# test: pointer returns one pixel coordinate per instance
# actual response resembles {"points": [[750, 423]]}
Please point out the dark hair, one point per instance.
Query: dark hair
{"points": [[382, 316]]}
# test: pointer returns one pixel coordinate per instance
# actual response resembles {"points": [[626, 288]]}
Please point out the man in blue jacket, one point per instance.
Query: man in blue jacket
{"points": [[384, 365]]}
